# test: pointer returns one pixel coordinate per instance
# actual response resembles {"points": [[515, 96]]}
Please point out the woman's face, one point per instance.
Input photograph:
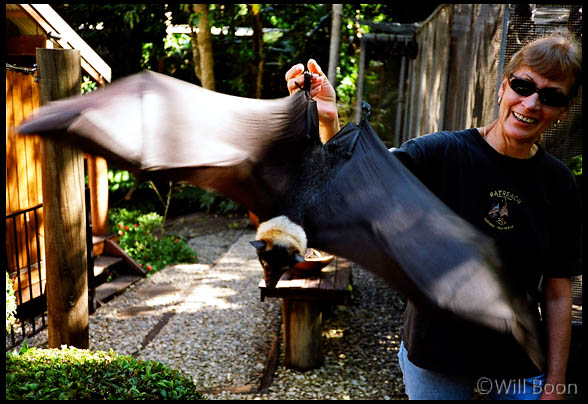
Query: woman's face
{"points": [[523, 119]]}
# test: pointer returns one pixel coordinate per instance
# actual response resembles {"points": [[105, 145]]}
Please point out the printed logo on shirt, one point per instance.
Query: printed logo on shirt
{"points": [[498, 215]]}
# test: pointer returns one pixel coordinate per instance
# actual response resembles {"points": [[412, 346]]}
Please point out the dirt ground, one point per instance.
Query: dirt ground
{"points": [[210, 235], [202, 223]]}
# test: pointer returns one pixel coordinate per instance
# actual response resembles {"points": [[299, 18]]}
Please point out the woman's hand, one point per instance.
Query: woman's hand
{"points": [[320, 90]]}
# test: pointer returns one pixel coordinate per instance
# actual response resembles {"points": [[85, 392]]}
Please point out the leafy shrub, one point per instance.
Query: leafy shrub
{"points": [[200, 199], [120, 180], [149, 196], [88, 85], [138, 236], [576, 165], [10, 303], [77, 374]]}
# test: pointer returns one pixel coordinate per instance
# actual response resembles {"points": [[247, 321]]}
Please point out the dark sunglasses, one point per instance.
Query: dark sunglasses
{"points": [[547, 96]]}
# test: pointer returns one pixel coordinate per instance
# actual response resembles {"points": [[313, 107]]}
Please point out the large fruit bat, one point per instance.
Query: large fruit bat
{"points": [[351, 196]]}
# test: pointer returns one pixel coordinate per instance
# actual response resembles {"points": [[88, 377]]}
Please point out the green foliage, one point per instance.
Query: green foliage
{"points": [[576, 165], [178, 55], [138, 236], [152, 196], [10, 304], [88, 85], [118, 32], [131, 37], [120, 180], [226, 205], [210, 200], [76, 374]]}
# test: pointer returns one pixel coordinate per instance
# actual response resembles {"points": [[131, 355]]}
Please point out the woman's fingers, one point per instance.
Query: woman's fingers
{"points": [[314, 67], [293, 76]]}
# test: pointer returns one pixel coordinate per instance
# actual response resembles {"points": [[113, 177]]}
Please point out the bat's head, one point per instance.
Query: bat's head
{"points": [[280, 244]]}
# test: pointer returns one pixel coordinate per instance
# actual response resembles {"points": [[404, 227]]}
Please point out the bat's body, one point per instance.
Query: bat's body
{"points": [[351, 196]]}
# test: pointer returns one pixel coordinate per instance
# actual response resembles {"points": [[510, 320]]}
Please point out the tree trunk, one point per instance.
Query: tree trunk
{"points": [[204, 45], [335, 40], [194, 46], [258, 47]]}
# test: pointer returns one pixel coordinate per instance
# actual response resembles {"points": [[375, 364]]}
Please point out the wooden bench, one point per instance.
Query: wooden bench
{"points": [[303, 300]]}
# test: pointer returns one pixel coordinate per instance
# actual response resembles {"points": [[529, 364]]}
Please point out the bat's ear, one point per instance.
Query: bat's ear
{"points": [[299, 258], [258, 244]]}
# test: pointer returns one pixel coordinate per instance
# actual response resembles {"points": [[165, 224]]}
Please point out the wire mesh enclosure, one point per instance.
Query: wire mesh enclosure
{"points": [[453, 81], [527, 22]]}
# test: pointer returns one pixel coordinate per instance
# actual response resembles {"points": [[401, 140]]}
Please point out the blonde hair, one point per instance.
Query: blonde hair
{"points": [[557, 57]]}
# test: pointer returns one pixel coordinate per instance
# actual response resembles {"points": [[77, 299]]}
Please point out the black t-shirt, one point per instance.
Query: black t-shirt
{"points": [[529, 206]]}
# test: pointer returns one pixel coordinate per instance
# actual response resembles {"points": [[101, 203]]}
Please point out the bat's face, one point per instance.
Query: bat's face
{"points": [[275, 260], [280, 244]]}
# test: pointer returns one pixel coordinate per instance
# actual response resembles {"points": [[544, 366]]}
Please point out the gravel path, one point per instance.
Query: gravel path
{"points": [[207, 320]]}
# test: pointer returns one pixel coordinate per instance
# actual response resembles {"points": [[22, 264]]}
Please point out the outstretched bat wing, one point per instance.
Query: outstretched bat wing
{"points": [[372, 210], [161, 126], [351, 196]]}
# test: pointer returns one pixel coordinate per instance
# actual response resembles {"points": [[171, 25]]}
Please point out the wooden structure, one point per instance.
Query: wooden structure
{"points": [[303, 300], [62, 168], [23, 188], [30, 27]]}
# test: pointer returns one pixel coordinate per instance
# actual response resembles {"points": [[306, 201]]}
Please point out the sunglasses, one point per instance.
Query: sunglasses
{"points": [[548, 96]]}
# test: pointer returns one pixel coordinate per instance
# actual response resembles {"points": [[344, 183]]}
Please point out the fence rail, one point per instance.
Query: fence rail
{"points": [[27, 272], [28, 275]]}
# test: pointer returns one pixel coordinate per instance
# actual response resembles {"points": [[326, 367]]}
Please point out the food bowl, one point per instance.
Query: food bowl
{"points": [[315, 260]]}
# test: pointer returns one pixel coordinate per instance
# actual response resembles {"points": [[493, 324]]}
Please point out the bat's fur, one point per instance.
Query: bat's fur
{"points": [[283, 244], [283, 232]]}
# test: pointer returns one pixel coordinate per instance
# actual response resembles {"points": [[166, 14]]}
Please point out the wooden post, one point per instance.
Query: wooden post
{"points": [[64, 208], [98, 183], [302, 320]]}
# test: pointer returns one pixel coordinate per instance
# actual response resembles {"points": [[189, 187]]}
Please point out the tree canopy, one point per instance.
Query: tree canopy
{"points": [[131, 37]]}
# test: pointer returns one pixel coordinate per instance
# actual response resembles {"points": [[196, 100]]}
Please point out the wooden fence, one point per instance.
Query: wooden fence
{"points": [[453, 81], [23, 180]]}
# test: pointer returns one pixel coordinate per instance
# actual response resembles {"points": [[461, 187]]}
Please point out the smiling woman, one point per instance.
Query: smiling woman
{"points": [[500, 179], [525, 199], [539, 85]]}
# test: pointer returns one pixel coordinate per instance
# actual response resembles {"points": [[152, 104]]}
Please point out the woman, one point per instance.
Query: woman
{"points": [[503, 182]]}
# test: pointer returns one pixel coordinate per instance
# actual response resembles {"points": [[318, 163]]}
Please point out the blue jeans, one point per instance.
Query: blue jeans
{"points": [[423, 384]]}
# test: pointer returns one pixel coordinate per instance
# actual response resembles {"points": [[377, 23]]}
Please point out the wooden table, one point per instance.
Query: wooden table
{"points": [[303, 299]]}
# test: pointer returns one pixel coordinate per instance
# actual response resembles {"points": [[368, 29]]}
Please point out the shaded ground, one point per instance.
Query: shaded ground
{"points": [[210, 235]]}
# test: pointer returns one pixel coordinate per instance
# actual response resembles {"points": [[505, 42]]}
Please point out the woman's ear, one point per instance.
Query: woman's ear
{"points": [[502, 88], [566, 109], [562, 115]]}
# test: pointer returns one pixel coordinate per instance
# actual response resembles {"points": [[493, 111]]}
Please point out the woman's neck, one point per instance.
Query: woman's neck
{"points": [[506, 145]]}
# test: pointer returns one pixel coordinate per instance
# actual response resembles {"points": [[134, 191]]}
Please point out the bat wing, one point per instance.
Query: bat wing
{"points": [[161, 126], [373, 211], [352, 197]]}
